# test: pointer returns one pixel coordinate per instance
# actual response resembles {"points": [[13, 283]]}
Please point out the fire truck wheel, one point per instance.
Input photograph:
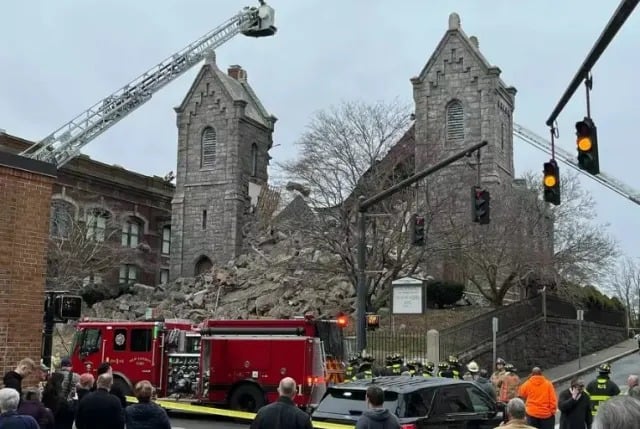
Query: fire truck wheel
{"points": [[123, 386], [247, 397]]}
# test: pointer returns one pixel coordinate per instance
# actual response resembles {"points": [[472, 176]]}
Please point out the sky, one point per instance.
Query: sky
{"points": [[58, 58]]}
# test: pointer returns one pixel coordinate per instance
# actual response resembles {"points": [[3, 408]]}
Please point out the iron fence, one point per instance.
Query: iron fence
{"points": [[381, 344], [462, 337]]}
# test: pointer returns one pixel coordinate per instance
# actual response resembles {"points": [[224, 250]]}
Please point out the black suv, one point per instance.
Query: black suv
{"points": [[417, 401]]}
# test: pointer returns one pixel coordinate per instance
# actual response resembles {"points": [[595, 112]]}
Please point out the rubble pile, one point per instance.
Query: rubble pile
{"points": [[277, 277]]}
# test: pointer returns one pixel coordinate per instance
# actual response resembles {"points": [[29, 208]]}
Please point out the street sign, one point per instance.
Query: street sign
{"points": [[580, 314], [494, 324]]}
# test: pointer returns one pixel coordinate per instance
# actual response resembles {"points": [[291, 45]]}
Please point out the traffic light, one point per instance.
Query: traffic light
{"points": [[480, 205], [587, 141], [551, 182], [342, 320], [68, 307], [373, 321], [416, 230]]}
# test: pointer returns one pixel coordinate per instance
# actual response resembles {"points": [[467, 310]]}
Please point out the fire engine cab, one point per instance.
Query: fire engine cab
{"points": [[233, 363]]}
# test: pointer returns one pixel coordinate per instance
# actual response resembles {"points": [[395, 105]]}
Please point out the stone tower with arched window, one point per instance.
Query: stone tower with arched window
{"points": [[224, 137], [460, 100]]}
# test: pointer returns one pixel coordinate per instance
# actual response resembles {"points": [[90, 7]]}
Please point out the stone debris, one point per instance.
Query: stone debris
{"points": [[277, 277]]}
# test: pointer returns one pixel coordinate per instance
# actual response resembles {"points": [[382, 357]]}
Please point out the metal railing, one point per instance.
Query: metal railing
{"points": [[381, 344]]}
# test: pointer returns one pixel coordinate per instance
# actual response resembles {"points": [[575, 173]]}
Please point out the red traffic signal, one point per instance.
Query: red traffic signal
{"points": [[480, 205]]}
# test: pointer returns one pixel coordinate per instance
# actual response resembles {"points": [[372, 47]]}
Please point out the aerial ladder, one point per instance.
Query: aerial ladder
{"points": [[65, 143], [607, 180]]}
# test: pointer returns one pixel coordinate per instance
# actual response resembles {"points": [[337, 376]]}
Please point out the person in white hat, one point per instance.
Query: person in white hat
{"points": [[472, 371]]}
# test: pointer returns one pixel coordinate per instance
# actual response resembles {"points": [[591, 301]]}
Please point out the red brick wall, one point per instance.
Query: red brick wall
{"points": [[25, 199]]}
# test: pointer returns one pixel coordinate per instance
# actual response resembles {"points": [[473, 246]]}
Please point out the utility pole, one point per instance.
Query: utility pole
{"points": [[362, 206]]}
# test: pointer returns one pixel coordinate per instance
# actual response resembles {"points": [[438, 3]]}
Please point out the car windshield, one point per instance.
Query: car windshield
{"points": [[351, 402]]}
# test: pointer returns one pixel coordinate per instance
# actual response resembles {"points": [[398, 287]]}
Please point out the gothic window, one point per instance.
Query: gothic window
{"points": [[455, 121], [254, 160], [131, 232], [166, 240], [62, 215], [209, 141], [97, 224]]}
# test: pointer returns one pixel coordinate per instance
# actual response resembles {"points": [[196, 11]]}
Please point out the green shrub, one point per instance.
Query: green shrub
{"points": [[440, 293]]}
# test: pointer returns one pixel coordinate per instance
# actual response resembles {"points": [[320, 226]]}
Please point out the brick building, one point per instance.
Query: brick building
{"points": [[129, 210], [224, 135]]}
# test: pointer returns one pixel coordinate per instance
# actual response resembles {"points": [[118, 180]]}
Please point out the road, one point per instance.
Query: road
{"points": [[619, 372]]}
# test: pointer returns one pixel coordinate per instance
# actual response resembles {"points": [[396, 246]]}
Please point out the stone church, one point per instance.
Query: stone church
{"points": [[224, 137]]}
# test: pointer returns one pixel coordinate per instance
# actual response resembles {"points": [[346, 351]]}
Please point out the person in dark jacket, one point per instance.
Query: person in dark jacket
{"points": [[145, 414], [283, 414], [376, 417], [575, 406], [13, 379], [485, 384], [100, 409], [105, 368], [31, 405], [55, 399], [9, 417]]}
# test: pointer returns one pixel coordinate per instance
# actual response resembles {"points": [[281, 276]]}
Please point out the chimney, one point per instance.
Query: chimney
{"points": [[237, 72]]}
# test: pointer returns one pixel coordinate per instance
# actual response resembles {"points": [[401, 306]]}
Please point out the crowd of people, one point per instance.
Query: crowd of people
{"points": [[65, 399]]}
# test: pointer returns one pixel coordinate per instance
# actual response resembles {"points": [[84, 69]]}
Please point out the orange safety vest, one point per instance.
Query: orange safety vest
{"points": [[509, 387]]}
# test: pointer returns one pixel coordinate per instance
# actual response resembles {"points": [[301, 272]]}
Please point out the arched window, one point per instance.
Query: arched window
{"points": [[131, 233], [203, 265], [62, 217], [209, 140], [254, 160], [455, 121]]}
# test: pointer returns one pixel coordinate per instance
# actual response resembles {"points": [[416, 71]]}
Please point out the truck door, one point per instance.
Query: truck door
{"points": [[132, 352], [89, 346]]}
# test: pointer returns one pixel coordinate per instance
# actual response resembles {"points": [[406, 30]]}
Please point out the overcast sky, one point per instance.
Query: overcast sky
{"points": [[59, 57]]}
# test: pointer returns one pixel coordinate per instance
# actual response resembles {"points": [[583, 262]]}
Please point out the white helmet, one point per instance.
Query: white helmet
{"points": [[473, 366]]}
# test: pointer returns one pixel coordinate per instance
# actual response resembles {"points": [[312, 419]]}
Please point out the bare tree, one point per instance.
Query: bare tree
{"points": [[359, 149], [530, 242], [83, 251], [626, 285]]}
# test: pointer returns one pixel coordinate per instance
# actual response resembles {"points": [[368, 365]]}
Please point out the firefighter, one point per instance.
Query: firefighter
{"points": [[429, 369], [414, 367], [444, 370], [455, 367], [497, 375], [509, 384], [472, 371], [365, 371], [602, 388], [352, 367], [394, 364]]}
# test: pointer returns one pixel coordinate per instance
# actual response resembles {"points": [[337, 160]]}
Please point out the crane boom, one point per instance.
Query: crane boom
{"points": [[65, 143], [607, 180]]}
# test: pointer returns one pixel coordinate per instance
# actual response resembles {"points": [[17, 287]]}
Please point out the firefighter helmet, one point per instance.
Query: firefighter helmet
{"points": [[473, 367], [500, 361], [443, 365], [354, 359], [429, 366], [452, 359], [604, 368], [510, 368]]}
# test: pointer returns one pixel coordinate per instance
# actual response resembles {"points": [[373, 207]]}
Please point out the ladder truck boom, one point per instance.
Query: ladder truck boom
{"points": [[65, 143], [607, 180]]}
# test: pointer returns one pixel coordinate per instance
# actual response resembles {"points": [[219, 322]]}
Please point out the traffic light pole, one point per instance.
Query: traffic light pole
{"points": [[362, 206], [49, 324], [623, 12]]}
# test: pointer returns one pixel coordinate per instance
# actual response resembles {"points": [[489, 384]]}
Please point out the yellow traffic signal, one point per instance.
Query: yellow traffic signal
{"points": [[551, 182], [584, 144], [587, 141]]}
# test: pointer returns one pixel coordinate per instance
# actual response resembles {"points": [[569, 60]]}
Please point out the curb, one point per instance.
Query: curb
{"points": [[591, 367]]}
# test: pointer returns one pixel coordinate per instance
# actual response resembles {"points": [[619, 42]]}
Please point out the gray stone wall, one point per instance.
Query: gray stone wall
{"points": [[220, 190], [549, 344]]}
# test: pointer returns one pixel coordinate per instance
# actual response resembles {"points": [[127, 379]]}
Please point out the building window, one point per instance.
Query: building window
{"points": [[62, 216], [131, 234], [203, 265], [166, 240], [164, 276], [91, 280], [502, 136], [128, 274], [209, 140], [455, 121], [204, 219], [254, 160], [97, 224]]}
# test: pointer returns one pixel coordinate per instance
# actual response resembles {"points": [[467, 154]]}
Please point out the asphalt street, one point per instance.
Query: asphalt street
{"points": [[619, 372]]}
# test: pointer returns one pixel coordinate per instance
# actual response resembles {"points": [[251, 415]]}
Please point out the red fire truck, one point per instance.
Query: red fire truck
{"points": [[233, 363]]}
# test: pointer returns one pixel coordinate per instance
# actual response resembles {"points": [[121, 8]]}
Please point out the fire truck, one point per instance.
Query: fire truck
{"points": [[232, 363]]}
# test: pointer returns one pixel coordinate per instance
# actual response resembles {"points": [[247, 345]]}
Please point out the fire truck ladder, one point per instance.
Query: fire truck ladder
{"points": [[607, 180], [65, 143]]}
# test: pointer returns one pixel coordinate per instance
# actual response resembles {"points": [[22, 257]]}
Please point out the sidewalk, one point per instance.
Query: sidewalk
{"points": [[569, 370]]}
